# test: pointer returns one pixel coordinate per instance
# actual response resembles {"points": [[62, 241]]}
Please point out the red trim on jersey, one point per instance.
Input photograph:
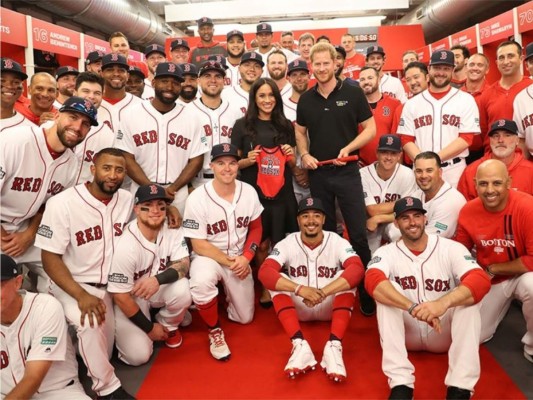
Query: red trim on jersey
{"points": [[373, 278], [312, 246], [439, 95], [255, 230], [354, 271], [55, 155], [269, 273], [415, 252], [105, 201], [112, 101], [478, 282], [468, 137]]}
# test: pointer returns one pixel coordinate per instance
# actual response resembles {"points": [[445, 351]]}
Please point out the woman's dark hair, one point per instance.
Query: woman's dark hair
{"points": [[284, 128]]}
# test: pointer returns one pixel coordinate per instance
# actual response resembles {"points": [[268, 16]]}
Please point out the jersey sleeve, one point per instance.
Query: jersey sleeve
{"points": [[344, 249], [470, 116], [195, 216], [258, 207], [443, 220], [281, 251], [460, 259], [382, 262], [367, 187], [53, 234], [179, 248], [124, 137], [124, 265], [406, 124]]}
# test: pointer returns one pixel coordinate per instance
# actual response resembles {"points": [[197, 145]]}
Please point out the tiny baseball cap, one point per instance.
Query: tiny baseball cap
{"points": [[81, 106], [252, 56], [150, 192], [224, 149], [442, 57], [390, 143], [67, 70], [204, 21], [219, 59], [94, 56], [407, 204], [340, 49], [503, 125], [234, 32], [188, 69], [211, 65], [9, 65], [375, 49], [529, 50], [264, 28], [154, 48], [297, 65], [9, 268], [168, 69], [310, 203], [108, 60], [179, 43], [136, 71]]}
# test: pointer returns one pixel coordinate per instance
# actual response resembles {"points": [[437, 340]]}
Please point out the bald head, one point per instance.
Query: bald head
{"points": [[42, 90], [493, 184]]}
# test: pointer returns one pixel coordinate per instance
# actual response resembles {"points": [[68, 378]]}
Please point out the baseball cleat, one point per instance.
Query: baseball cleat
{"points": [[332, 361], [174, 339], [187, 319], [301, 360], [401, 392], [218, 346], [456, 393]]}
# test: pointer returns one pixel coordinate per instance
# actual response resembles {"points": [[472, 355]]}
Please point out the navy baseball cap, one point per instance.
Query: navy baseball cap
{"points": [[407, 204], [136, 71], [108, 60], [94, 56], [154, 48], [9, 268], [188, 69], [168, 69], [375, 49], [81, 106], [9, 65], [224, 149], [219, 59], [340, 50], [150, 192], [442, 57], [503, 125], [179, 43], [234, 32], [390, 143], [211, 65], [310, 203], [67, 70], [297, 65], [264, 28], [204, 21], [252, 56], [529, 50]]}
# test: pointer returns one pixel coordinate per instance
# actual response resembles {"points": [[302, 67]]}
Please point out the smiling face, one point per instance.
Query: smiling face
{"points": [[493, 185], [250, 71], [154, 59], [323, 66], [167, 89], [277, 66], [11, 89], [369, 81], [206, 32], [43, 91], [109, 172], [508, 60], [266, 101], [388, 159], [411, 225], [151, 214], [416, 79], [311, 223], [115, 77], [66, 85], [92, 91], [440, 75], [225, 169], [212, 83], [428, 175], [476, 68], [120, 45], [72, 128]]}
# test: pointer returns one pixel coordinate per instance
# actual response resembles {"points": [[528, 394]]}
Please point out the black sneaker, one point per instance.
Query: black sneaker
{"points": [[454, 392], [401, 392], [367, 305], [119, 394]]}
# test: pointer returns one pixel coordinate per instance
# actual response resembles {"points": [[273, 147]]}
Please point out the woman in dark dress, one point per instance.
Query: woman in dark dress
{"points": [[266, 141]]}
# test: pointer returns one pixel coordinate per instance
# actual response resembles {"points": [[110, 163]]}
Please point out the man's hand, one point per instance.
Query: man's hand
{"points": [[343, 153], [158, 332], [46, 116], [174, 217], [92, 307], [15, 244], [371, 224], [301, 176], [309, 162], [170, 192], [311, 296], [240, 266], [252, 156], [145, 287], [429, 311]]}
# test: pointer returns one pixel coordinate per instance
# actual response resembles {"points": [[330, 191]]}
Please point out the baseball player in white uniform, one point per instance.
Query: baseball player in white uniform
{"points": [[523, 116], [264, 37], [389, 85], [442, 119], [277, 69], [321, 274], [150, 267], [162, 145], [384, 182], [37, 356], [154, 54], [236, 47], [78, 234], [189, 86], [427, 289], [222, 219]]}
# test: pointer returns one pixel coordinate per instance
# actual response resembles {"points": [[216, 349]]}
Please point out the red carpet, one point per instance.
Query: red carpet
{"points": [[259, 354]]}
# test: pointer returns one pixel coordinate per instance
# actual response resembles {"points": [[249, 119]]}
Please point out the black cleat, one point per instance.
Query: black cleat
{"points": [[367, 305], [119, 394], [455, 393], [401, 392]]}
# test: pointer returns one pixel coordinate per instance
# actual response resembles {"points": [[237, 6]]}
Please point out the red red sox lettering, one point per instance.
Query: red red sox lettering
{"points": [[527, 121], [95, 233], [148, 137], [4, 359], [224, 130], [389, 197], [34, 185], [222, 225], [89, 155], [447, 119], [433, 285], [323, 271]]}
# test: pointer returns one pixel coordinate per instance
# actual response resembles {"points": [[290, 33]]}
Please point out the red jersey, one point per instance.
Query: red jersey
{"points": [[271, 170], [498, 236], [387, 119], [24, 109], [353, 65], [520, 170]]}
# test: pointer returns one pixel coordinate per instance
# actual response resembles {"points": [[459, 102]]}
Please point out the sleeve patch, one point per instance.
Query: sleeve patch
{"points": [[45, 231], [191, 224], [374, 260], [118, 278], [441, 226], [274, 252], [49, 340]]}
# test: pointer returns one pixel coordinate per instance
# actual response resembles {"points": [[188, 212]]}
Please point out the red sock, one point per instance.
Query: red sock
{"points": [[209, 312], [342, 312], [286, 314]]}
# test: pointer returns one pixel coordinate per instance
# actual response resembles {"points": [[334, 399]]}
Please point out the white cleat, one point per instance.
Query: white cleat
{"points": [[332, 361], [187, 319], [301, 360], [217, 345]]}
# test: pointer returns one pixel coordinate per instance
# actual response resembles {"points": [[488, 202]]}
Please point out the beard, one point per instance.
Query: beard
{"points": [[439, 85], [163, 99], [188, 95], [61, 134], [101, 185]]}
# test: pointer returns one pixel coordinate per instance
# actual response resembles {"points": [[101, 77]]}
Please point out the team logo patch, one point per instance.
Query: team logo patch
{"points": [[191, 224], [341, 103], [45, 231], [402, 122], [390, 141], [386, 111], [374, 261], [409, 201], [8, 64], [2, 173], [117, 278], [49, 340], [274, 252], [441, 226], [350, 250], [119, 135], [469, 258]]}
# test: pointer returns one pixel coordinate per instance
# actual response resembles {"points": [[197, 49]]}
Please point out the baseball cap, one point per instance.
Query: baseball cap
{"points": [[188, 69], [253, 56], [150, 192], [9, 65], [264, 28], [407, 204], [168, 69], [136, 71], [9, 268], [224, 149], [67, 70], [204, 21], [81, 106], [390, 143], [297, 65], [375, 49], [179, 43], [340, 49], [154, 48], [108, 60], [503, 125], [310, 203], [219, 59], [442, 57], [529, 50], [211, 65], [94, 56], [234, 32]]}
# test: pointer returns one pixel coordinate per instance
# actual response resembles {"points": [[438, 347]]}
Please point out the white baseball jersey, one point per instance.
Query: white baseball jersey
{"points": [[286, 90], [148, 92], [29, 175], [38, 334], [98, 138], [16, 120], [523, 115], [223, 224], [289, 108], [393, 87], [237, 97], [84, 231], [435, 123], [312, 267], [112, 114], [376, 191], [233, 77], [289, 54]]}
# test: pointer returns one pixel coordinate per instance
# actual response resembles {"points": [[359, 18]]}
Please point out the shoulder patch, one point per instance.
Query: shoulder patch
{"points": [[469, 258], [45, 231], [191, 224], [441, 226], [374, 260], [48, 340], [117, 278], [402, 122], [350, 250], [274, 252]]}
